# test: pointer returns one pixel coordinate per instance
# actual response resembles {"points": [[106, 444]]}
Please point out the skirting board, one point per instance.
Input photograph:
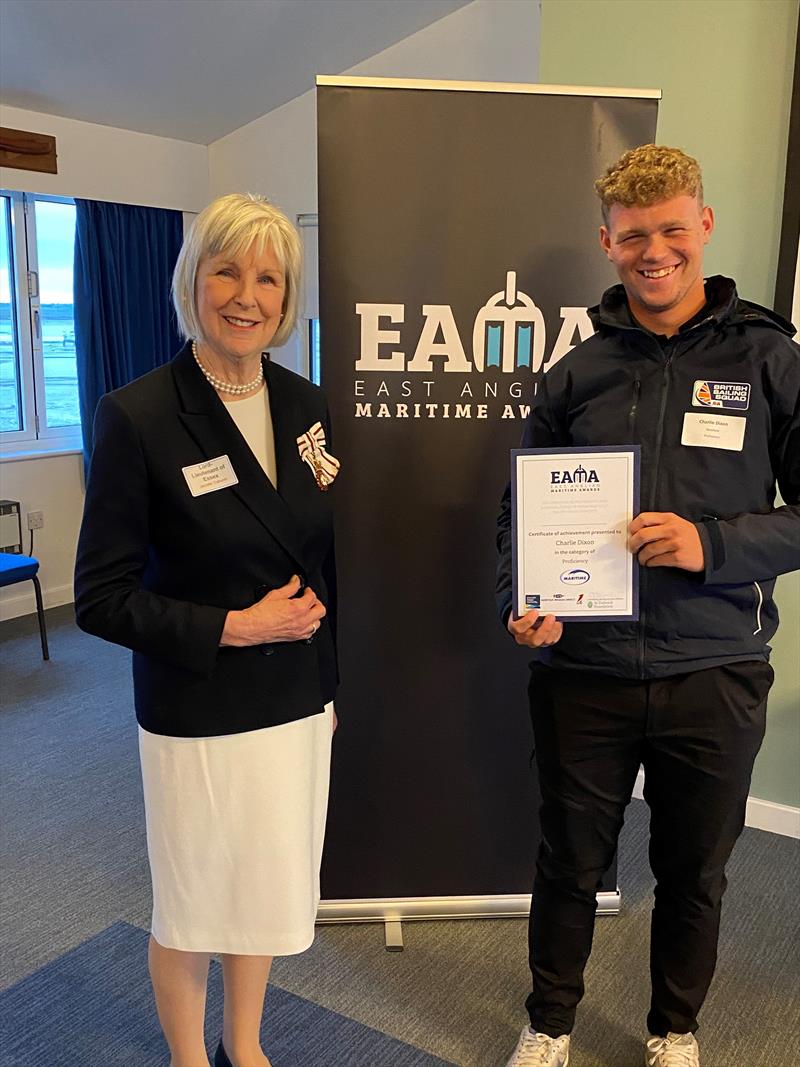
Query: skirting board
{"points": [[18, 600], [405, 909], [761, 814]]}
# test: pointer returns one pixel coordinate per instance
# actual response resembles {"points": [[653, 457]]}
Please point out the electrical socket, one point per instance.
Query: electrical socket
{"points": [[35, 520]]}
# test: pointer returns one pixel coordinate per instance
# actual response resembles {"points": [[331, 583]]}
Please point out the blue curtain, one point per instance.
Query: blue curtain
{"points": [[124, 321]]}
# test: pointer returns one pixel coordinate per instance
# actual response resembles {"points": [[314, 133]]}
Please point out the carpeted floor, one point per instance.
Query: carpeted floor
{"points": [[96, 997], [73, 876]]}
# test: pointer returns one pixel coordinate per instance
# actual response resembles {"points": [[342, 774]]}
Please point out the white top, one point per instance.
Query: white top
{"points": [[254, 420]]}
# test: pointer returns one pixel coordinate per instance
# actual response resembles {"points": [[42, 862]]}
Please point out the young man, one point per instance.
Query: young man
{"points": [[682, 691]]}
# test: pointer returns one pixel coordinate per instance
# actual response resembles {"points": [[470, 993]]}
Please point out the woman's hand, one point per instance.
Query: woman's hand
{"points": [[279, 616]]}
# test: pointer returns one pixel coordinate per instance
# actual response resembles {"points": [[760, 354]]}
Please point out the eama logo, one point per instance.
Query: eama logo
{"points": [[508, 334], [579, 476], [509, 331], [576, 576]]}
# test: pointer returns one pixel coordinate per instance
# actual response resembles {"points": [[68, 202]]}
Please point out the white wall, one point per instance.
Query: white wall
{"points": [[276, 155], [488, 40], [53, 485], [104, 163], [99, 163]]}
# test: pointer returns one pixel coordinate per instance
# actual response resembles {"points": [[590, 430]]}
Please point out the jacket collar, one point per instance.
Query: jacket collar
{"points": [[216, 434], [722, 307]]}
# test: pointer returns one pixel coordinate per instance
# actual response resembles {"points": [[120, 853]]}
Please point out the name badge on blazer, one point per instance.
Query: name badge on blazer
{"points": [[209, 476]]}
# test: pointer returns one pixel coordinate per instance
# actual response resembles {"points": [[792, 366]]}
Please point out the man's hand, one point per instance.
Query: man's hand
{"points": [[535, 631], [661, 539]]}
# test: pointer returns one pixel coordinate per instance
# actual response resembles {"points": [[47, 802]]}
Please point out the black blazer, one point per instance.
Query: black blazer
{"points": [[158, 569]]}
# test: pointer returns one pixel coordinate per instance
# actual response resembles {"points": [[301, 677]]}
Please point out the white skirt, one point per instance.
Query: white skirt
{"points": [[235, 828]]}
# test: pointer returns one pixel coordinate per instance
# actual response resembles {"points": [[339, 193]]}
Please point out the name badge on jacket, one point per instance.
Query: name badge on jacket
{"points": [[709, 430], [209, 476]]}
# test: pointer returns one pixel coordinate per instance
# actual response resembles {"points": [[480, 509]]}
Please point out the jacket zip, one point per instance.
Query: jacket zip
{"points": [[666, 379], [665, 386], [644, 577], [637, 389]]}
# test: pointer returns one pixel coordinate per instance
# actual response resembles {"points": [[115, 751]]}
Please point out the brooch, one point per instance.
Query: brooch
{"points": [[324, 466]]}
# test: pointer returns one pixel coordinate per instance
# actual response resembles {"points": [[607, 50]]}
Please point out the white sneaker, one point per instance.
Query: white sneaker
{"points": [[539, 1050], [674, 1050]]}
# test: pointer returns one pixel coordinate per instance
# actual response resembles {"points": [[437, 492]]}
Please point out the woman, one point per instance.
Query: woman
{"points": [[207, 549]]}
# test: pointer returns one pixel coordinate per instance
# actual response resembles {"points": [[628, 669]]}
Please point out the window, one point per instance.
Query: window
{"points": [[38, 372], [313, 351], [309, 323]]}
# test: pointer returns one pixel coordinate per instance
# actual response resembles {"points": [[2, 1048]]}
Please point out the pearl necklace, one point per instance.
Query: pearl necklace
{"points": [[227, 387]]}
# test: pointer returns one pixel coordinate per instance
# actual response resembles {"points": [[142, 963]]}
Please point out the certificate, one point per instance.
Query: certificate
{"points": [[571, 511]]}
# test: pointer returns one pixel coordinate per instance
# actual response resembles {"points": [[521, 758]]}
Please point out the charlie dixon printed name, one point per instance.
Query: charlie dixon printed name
{"points": [[508, 356]]}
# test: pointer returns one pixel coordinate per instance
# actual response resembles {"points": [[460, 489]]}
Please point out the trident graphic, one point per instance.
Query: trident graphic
{"points": [[509, 331]]}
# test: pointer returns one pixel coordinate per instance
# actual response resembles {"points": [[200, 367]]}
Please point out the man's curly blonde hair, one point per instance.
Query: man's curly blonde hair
{"points": [[647, 174]]}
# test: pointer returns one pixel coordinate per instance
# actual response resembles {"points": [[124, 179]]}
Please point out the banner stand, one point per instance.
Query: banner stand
{"points": [[458, 257], [393, 913]]}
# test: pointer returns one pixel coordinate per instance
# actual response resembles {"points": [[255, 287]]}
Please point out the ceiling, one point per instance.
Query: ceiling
{"points": [[189, 69]]}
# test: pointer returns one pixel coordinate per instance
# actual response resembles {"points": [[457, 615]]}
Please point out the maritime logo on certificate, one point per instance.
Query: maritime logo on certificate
{"points": [[573, 509]]}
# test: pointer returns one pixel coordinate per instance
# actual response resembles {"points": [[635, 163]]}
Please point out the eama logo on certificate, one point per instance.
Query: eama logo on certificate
{"points": [[576, 576], [579, 476]]}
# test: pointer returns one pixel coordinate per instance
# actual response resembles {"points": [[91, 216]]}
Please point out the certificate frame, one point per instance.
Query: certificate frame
{"points": [[633, 485]]}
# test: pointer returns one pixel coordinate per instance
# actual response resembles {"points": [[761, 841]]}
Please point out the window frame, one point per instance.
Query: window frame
{"points": [[35, 436], [308, 226], [313, 350]]}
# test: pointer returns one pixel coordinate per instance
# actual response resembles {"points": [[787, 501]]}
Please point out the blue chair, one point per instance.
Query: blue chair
{"points": [[17, 568]]}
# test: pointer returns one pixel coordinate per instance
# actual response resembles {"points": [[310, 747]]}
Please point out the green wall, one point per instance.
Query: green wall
{"points": [[725, 69]]}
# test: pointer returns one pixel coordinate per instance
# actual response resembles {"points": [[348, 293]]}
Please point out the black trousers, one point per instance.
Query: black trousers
{"points": [[697, 736]]}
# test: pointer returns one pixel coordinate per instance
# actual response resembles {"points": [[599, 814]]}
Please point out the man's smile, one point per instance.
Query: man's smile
{"points": [[662, 272]]}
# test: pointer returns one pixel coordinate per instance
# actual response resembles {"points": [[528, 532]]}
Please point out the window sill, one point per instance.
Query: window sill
{"points": [[39, 452]]}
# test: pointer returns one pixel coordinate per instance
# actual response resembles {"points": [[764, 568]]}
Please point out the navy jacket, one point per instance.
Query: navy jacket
{"points": [[625, 385], [158, 569]]}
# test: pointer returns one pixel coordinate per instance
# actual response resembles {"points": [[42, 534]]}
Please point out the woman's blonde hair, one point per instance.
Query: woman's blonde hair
{"points": [[647, 174], [229, 226]]}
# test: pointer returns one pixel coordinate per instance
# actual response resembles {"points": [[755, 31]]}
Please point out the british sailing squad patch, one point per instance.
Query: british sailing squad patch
{"points": [[735, 396]]}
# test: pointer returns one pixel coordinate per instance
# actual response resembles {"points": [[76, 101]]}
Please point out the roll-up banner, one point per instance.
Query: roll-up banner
{"points": [[458, 253]]}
